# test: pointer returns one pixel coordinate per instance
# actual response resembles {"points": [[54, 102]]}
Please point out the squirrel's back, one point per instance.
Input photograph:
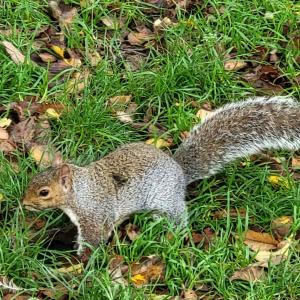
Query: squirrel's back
{"points": [[237, 130]]}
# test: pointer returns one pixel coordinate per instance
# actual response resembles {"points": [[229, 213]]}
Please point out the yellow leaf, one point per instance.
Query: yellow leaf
{"points": [[203, 114], [1, 197], [138, 279], [159, 143], [58, 50], [41, 155], [51, 113], [5, 122], [279, 181], [76, 269]]}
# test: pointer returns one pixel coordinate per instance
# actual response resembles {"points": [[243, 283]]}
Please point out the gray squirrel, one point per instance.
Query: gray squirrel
{"points": [[138, 177]]}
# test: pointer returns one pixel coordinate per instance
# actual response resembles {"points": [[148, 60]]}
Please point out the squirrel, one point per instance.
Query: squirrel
{"points": [[138, 177]]}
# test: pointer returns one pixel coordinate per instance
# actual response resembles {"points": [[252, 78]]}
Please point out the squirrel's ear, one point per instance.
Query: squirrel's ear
{"points": [[65, 179]]}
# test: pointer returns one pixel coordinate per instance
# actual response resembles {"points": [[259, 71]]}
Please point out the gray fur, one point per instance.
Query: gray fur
{"points": [[139, 177]]}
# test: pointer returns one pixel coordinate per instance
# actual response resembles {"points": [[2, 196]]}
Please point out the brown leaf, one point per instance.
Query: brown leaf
{"points": [[234, 65], [116, 269], [13, 52], [132, 231], [202, 114], [189, 295], [251, 274], [36, 223], [296, 162], [23, 132], [57, 292], [124, 117], [119, 101], [258, 241], [139, 38], [281, 226], [3, 134], [18, 297], [7, 146], [94, 58], [206, 237], [62, 13], [150, 269], [43, 156], [233, 212], [112, 22], [47, 57]]}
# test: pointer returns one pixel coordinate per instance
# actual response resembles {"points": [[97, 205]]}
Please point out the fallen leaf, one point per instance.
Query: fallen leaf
{"points": [[205, 238], [296, 162], [23, 132], [132, 231], [44, 156], [264, 257], [258, 241], [202, 114], [251, 274], [5, 122], [58, 50], [234, 65], [76, 269], [8, 285], [124, 117], [121, 100], [47, 57], [51, 113], [63, 13], [189, 295], [279, 181], [281, 226], [3, 134], [159, 143], [18, 297], [150, 269], [94, 58], [139, 38], [57, 292], [36, 223], [13, 52], [116, 269], [7, 146], [233, 212], [159, 24], [112, 22]]}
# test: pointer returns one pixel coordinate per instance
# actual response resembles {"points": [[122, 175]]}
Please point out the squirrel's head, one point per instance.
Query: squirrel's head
{"points": [[49, 189]]}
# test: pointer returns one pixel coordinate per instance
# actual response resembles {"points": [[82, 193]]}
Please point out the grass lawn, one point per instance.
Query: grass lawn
{"points": [[185, 64]]}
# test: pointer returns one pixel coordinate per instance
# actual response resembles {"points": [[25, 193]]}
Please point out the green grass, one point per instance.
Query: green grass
{"points": [[189, 68]]}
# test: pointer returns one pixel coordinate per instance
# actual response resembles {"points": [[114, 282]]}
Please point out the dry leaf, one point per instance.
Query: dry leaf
{"points": [[47, 57], [57, 292], [5, 122], [203, 114], [189, 295], [159, 24], [233, 212], [150, 269], [119, 100], [276, 257], [124, 117], [258, 241], [64, 14], [94, 58], [139, 38], [7, 146], [3, 134], [251, 274], [43, 156], [116, 268], [76, 269], [234, 65], [13, 52], [132, 231], [159, 143], [204, 238], [281, 226], [23, 132], [8, 285], [296, 163], [112, 22]]}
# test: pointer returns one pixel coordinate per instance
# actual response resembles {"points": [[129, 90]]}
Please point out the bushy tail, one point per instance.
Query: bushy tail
{"points": [[237, 130]]}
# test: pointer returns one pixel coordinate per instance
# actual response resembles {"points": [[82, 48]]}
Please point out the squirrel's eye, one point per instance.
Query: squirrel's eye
{"points": [[44, 193]]}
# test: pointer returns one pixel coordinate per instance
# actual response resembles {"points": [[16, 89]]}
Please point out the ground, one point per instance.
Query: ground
{"points": [[178, 71]]}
